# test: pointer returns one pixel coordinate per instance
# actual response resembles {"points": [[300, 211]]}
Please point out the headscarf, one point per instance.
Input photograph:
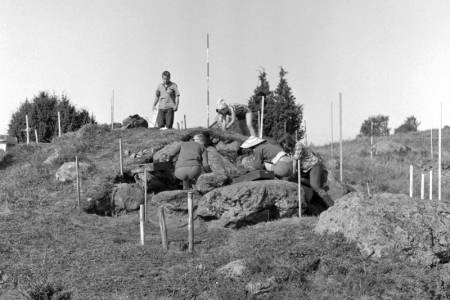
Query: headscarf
{"points": [[221, 104]]}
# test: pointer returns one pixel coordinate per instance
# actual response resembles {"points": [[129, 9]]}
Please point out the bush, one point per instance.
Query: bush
{"points": [[411, 124], [42, 112], [376, 126]]}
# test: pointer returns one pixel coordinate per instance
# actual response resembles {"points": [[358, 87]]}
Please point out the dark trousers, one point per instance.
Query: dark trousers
{"points": [[317, 179], [165, 118]]}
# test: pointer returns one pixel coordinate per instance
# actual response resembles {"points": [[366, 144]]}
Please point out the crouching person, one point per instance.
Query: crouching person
{"points": [[313, 172], [269, 157], [192, 160]]}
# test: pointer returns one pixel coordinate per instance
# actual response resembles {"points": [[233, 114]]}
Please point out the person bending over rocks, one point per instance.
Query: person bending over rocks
{"points": [[270, 157], [192, 156], [313, 171], [227, 114]]}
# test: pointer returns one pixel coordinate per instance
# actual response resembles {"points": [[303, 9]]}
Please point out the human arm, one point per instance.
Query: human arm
{"points": [[205, 161], [157, 94], [233, 118], [177, 97]]}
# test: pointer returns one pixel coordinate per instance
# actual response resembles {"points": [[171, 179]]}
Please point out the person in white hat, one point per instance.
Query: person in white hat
{"points": [[227, 114], [270, 157]]}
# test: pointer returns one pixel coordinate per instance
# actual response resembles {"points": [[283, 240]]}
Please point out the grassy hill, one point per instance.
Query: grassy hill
{"points": [[47, 247]]}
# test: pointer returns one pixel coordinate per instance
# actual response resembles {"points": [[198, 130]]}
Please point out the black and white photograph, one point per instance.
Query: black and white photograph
{"points": [[224, 149]]}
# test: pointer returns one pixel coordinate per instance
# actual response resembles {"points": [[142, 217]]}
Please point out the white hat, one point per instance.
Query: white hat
{"points": [[252, 141], [221, 104]]}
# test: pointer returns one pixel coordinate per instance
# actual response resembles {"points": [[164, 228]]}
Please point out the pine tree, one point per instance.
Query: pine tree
{"points": [[254, 103], [43, 115]]}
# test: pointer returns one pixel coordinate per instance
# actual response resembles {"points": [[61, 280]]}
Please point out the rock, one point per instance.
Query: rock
{"points": [[99, 195], [67, 172], [15, 295], [445, 273], [134, 121], [250, 202], [219, 164], [233, 269], [175, 201], [391, 224], [228, 150], [127, 197], [389, 147], [154, 184], [210, 181], [4, 209], [248, 163], [53, 158], [261, 287], [165, 152]]}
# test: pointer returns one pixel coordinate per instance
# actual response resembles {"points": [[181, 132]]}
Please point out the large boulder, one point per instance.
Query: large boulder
{"points": [[175, 202], [219, 164], [210, 181], [127, 197], [250, 202], [392, 224], [166, 151], [389, 147], [67, 172]]}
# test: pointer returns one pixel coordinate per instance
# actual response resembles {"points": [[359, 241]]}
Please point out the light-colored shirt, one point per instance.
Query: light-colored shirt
{"points": [[166, 95]]}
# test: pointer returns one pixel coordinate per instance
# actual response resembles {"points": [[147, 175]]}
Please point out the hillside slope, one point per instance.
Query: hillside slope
{"points": [[48, 247]]}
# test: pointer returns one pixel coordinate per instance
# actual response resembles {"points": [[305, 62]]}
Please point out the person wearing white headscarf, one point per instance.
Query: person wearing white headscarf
{"points": [[227, 114]]}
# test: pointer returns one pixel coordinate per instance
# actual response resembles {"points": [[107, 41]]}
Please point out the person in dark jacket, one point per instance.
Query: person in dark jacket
{"points": [[192, 160]]}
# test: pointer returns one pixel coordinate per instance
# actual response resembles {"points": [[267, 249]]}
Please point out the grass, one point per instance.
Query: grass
{"points": [[48, 248]]}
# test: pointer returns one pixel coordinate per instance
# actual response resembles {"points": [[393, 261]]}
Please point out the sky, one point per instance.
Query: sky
{"points": [[388, 57]]}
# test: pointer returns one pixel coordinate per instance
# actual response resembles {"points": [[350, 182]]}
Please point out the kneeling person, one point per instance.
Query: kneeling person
{"points": [[269, 157], [192, 157]]}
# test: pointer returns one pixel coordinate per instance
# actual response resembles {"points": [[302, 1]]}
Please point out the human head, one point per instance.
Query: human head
{"points": [[222, 106], [166, 76], [199, 138]]}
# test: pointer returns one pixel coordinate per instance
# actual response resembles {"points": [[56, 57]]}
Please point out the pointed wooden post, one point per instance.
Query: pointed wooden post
{"points": [[162, 227], [145, 194], [440, 159], [78, 182], [207, 79], [190, 223], [27, 129], [332, 138], [299, 175], [411, 180], [371, 140], [422, 186], [59, 124], [340, 138], [261, 133], [36, 136], [120, 157], [431, 185], [185, 124], [112, 110], [141, 223]]}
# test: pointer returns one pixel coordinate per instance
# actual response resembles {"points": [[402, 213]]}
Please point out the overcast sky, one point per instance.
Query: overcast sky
{"points": [[390, 57]]}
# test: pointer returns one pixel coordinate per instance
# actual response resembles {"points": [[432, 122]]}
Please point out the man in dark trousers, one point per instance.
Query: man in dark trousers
{"points": [[168, 97]]}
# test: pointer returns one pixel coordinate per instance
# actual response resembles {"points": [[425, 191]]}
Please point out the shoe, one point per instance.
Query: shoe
{"points": [[163, 128]]}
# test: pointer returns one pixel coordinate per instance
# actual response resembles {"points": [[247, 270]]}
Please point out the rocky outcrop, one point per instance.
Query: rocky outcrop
{"points": [[392, 224], [165, 153], [134, 121], [219, 164], [127, 197], [234, 269], [210, 181], [175, 202], [67, 172], [250, 202]]}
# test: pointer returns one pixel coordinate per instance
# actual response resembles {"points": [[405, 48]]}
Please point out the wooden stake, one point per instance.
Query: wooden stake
{"points": [[259, 123], [141, 223], [36, 136], [162, 227], [431, 143], [368, 189], [78, 181], [340, 138], [120, 157], [431, 185], [207, 79], [422, 186], [145, 194], [59, 124], [112, 110], [371, 140], [332, 138], [299, 175], [185, 125], [306, 134], [261, 133], [411, 180], [440, 159], [190, 223], [27, 129]]}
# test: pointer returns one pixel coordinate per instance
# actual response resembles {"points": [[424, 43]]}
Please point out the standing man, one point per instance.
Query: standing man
{"points": [[168, 97]]}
